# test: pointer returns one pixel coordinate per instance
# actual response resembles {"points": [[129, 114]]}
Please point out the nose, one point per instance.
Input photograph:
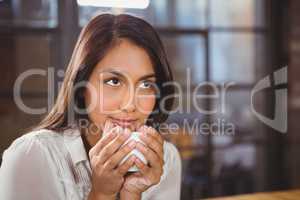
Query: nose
{"points": [[128, 102]]}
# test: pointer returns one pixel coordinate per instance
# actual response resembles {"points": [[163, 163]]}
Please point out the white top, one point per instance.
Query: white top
{"points": [[47, 165]]}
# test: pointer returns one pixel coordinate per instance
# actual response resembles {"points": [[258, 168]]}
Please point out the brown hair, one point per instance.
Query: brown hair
{"points": [[94, 41]]}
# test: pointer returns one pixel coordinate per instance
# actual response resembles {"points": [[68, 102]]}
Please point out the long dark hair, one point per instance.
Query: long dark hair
{"points": [[94, 41]]}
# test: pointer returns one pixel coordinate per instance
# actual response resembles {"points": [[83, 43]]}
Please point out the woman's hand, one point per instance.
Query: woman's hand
{"points": [[148, 175], [107, 176]]}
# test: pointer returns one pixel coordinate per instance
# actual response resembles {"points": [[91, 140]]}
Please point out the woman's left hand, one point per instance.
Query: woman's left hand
{"points": [[150, 174]]}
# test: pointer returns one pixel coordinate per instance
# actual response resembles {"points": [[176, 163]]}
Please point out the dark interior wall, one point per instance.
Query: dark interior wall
{"points": [[276, 174], [282, 171], [293, 151]]}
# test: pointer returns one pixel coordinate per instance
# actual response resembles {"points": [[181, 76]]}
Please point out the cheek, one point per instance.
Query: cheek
{"points": [[146, 105], [109, 100], [101, 102]]}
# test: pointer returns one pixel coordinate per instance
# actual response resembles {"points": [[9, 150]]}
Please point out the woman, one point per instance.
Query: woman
{"points": [[115, 84]]}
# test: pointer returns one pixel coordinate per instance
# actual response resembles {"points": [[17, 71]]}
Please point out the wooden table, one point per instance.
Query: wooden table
{"points": [[280, 195]]}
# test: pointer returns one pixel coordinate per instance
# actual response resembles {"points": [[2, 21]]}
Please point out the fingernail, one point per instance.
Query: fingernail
{"points": [[143, 136], [119, 129], [149, 129], [132, 143], [113, 134], [126, 132], [143, 128], [105, 126], [133, 158], [108, 125], [139, 145]]}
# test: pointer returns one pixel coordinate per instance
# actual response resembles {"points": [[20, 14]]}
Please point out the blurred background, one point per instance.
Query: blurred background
{"points": [[220, 41]]}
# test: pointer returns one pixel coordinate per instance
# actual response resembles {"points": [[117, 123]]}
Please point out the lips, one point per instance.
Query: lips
{"points": [[124, 122]]}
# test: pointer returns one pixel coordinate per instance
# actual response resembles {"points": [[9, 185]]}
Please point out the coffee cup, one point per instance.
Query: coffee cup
{"points": [[137, 153]]}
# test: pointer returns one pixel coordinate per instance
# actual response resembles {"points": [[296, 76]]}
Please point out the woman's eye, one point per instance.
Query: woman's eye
{"points": [[147, 84], [113, 82]]}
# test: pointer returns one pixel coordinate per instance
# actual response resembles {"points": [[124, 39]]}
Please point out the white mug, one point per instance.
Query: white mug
{"points": [[134, 136]]}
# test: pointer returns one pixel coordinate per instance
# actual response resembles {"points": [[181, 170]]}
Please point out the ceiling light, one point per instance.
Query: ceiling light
{"points": [[137, 4]]}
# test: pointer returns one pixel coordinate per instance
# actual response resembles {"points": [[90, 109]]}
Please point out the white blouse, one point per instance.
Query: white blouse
{"points": [[47, 165]]}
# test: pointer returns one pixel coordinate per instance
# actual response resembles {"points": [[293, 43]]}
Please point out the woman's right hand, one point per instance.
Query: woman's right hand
{"points": [[105, 156]]}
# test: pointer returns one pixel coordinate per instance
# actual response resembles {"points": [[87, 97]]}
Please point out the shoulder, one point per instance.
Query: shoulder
{"points": [[29, 146], [171, 153], [31, 138], [26, 162], [24, 155], [31, 152], [172, 159]]}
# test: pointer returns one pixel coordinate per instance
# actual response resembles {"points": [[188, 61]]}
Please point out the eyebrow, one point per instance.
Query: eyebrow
{"points": [[117, 73]]}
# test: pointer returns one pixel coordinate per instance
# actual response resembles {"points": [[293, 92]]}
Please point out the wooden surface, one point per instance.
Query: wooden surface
{"points": [[281, 195]]}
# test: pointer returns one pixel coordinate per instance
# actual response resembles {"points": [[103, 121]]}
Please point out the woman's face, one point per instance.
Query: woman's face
{"points": [[122, 87]]}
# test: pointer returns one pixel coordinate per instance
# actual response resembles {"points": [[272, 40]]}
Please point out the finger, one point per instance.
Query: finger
{"points": [[151, 131], [124, 167], [107, 127], [102, 142], [112, 133], [119, 155], [114, 145], [144, 169], [107, 130], [152, 143], [150, 155]]}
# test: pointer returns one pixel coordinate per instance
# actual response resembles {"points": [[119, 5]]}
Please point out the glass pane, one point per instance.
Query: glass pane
{"points": [[159, 13], [235, 155], [237, 13], [187, 57], [233, 109], [30, 60], [87, 12], [14, 121], [237, 57], [235, 167], [35, 13], [7, 62], [191, 13]]}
